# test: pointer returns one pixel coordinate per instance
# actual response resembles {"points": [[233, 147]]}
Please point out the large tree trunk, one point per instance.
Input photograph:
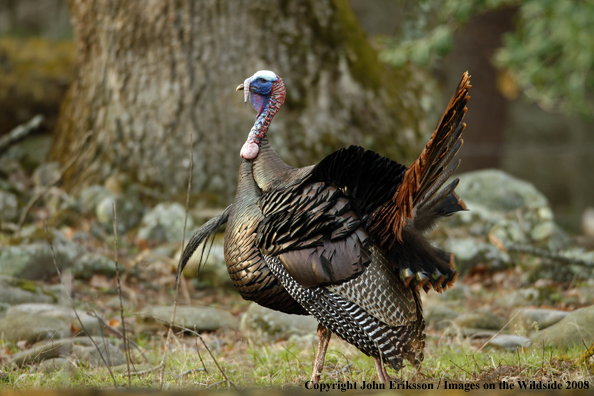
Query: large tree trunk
{"points": [[475, 47], [151, 72]]}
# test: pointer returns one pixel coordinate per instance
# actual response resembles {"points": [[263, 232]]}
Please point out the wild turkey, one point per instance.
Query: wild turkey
{"points": [[341, 240]]}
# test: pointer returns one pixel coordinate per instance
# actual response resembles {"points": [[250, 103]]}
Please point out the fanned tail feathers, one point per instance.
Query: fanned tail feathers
{"points": [[419, 202]]}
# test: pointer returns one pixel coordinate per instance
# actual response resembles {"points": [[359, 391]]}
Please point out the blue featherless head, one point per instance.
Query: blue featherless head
{"points": [[257, 88]]}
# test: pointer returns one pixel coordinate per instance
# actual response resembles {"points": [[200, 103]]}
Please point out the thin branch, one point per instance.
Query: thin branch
{"points": [[150, 370], [466, 371], [117, 333], [213, 358], [20, 132], [177, 281], [588, 353], [190, 372], [200, 355], [511, 247], [215, 384], [115, 249], [500, 330], [183, 328], [49, 240], [41, 193]]}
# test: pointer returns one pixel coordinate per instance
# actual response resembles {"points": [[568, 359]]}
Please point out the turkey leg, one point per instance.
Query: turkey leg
{"points": [[381, 371], [324, 338]]}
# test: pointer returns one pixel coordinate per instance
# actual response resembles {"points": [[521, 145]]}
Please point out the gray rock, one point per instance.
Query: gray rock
{"points": [[32, 151], [57, 292], [499, 191], [504, 209], [42, 351], [469, 252], [575, 329], [526, 319], [530, 226], [458, 291], [32, 328], [46, 173], [205, 319], [91, 324], [261, 323], [439, 316], [164, 223], [57, 364], [520, 298], [8, 206], [90, 264], [90, 355], [89, 198], [129, 212], [480, 319], [15, 179], [511, 342], [34, 260], [30, 308], [17, 291], [456, 331]]}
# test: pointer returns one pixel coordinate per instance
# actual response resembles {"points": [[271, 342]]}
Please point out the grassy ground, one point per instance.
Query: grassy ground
{"points": [[288, 364]]}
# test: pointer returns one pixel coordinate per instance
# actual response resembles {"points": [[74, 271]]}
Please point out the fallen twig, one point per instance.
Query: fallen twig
{"points": [[20, 132], [534, 251], [547, 254]]}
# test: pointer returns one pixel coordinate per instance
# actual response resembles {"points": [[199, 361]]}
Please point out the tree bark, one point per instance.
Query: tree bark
{"points": [[475, 47], [149, 73]]}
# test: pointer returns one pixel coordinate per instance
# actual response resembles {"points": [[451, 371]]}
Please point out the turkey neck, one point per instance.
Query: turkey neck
{"points": [[271, 172], [269, 168], [247, 191]]}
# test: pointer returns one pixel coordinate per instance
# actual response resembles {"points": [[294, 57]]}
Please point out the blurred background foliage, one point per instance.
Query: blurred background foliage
{"points": [[549, 56]]}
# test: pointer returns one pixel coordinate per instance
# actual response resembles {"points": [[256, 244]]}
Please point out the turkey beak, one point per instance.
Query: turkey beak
{"points": [[245, 87], [241, 87]]}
